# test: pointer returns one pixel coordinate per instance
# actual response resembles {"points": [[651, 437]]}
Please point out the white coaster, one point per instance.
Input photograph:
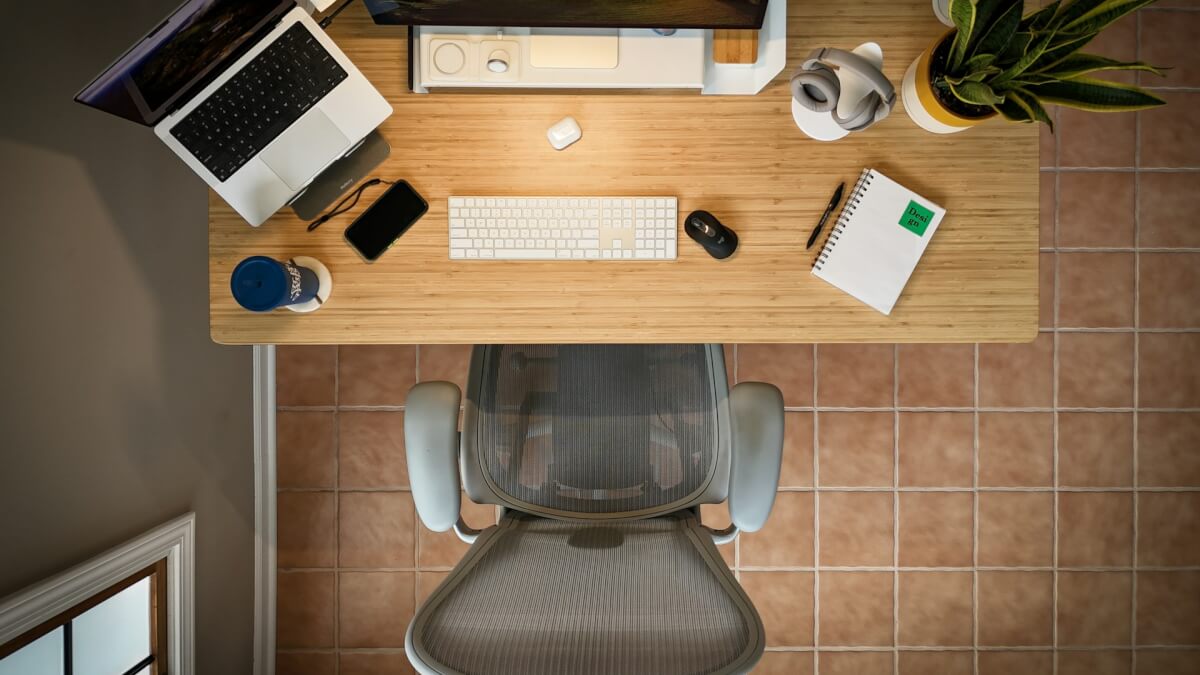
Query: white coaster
{"points": [[324, 288], [820, 126]]}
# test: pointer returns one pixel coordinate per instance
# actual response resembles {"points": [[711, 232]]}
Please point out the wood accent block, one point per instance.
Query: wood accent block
{"points": [[735, 46]]}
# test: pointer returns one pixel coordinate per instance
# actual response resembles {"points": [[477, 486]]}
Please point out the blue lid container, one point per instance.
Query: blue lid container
{"points": [[261, 284]]}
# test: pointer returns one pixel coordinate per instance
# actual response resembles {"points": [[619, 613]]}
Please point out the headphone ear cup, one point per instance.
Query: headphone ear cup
{"points": [[863, 114], [817, 89]]}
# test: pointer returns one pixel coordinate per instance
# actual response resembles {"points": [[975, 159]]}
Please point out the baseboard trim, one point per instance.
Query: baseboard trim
{"points": [[264, 509]]}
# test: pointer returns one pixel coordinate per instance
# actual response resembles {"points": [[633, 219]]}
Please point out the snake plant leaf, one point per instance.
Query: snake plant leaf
{"points": [[1027, 78], [1024, 98], [1040, 19], [1096, 95], [1021, 106], [962, 13], [986, 12], [1017, 46], [1000, 31], [975, 93], [1036, 49], [1070, 10], [973, 76], [979, 62], [1099, 17], [981, 74], [1059, 50], [1081, 64]]}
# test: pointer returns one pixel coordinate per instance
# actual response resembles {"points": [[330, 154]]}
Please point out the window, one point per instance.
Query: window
{"points": [[119, 631]]}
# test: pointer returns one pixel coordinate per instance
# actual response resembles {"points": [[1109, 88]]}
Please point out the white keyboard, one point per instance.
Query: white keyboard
{"points": [[563, 228]]}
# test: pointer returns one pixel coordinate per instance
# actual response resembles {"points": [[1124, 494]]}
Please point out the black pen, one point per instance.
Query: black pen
{"points": [[837, 197]]}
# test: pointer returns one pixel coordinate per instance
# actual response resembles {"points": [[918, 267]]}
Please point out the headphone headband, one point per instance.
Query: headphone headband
{"points": [[855, 64], [817, 87]]}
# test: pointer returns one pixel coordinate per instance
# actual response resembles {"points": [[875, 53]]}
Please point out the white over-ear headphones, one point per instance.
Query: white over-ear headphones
{"points": [[816, 87]]}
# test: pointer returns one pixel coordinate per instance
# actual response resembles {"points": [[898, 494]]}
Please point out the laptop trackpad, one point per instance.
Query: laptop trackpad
{"points": [[305, 148]]}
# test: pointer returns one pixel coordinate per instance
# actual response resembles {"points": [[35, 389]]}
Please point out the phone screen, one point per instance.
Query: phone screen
{"points": [[384, 221]]}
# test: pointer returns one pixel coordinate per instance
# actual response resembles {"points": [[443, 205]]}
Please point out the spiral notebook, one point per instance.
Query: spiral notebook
{"points": [[879, 238]]}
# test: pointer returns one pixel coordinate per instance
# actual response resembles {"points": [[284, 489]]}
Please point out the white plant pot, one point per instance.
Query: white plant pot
{"points": [[916, 111], [921, 104]]}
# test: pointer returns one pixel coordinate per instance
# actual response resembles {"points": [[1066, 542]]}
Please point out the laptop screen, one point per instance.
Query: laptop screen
{"points": [[179, 56]]}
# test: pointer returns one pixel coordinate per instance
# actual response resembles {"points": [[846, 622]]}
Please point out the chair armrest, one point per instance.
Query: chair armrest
{"points": [[757, 412], [431, 443]]}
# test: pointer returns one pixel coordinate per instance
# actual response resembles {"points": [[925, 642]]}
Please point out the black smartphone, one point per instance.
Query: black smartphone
{"points": [[374, 232]]}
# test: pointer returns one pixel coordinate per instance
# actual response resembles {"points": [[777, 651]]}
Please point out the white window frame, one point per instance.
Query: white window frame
{"points": [[175, 541]]}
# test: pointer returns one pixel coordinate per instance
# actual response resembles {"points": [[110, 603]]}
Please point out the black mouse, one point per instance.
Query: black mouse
{"points": [[704, 228]]}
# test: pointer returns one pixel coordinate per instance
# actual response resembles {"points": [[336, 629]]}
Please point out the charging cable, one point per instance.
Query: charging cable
{"points": [[341, 206], [329, 19]]}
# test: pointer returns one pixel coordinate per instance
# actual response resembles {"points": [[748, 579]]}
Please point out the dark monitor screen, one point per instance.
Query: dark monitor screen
{"points": [[573, 13], [179, 56]]}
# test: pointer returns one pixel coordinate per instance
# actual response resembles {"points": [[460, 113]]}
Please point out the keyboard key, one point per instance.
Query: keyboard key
{"points": [[526, 254]]}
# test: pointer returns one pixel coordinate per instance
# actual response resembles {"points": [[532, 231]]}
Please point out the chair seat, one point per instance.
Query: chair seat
{"points": [[536, 596]]}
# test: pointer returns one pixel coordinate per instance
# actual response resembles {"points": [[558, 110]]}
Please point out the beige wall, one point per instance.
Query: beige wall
{"points": [[117, 411]]}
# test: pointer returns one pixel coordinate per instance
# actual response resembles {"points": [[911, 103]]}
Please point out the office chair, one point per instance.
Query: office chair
{"points": [[598, 457]]}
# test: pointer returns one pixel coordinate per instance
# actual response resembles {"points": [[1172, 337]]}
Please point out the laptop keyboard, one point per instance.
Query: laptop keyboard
{"points": [[260, 102]]}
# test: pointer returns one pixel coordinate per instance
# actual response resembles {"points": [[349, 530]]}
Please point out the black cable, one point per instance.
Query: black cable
{"points": [[329, 19], [338, 210]]}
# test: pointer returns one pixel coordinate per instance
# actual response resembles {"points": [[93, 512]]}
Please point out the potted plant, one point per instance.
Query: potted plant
{"points": [[996, 62]]}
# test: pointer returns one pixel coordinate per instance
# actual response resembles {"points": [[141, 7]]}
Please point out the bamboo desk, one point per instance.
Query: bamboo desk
{"points": [[740, 157]]}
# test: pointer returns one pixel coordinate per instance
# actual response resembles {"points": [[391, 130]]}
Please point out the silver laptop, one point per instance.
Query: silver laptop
{"points": [[250, 93]]}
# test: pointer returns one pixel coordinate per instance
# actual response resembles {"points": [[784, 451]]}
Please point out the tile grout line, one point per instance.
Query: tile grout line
{"points": [[823, 568], [1123, 249], [1121, 169], [843, 648], [1054, 525], [895, 508], [337, 505], [1117, 409], [863, 488], [816, 512], [1137, 322], [975, 518]]}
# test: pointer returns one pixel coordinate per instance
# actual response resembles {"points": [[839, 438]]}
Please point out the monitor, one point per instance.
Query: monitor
{"points": [[180, 56], [573, 13]]}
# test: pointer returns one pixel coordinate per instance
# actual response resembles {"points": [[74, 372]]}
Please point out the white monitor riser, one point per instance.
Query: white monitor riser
{"points": [[645, 60]]}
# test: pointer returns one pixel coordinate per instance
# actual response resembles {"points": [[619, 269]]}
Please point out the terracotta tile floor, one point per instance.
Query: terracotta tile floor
{"points": [[949, 509]]}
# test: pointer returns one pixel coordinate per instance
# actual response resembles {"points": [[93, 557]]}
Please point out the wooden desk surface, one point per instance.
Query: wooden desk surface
{"points": [[740, 157]]}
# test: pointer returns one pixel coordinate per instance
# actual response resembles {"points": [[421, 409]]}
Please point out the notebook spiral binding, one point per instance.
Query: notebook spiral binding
{"points": [[864, 181]]}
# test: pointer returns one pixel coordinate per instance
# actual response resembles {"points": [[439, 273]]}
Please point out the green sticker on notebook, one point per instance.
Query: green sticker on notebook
{"points": [[916, 218]]}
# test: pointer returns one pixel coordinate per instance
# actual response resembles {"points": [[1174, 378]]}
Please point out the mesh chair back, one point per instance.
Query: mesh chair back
{"points": [[596, 430]]}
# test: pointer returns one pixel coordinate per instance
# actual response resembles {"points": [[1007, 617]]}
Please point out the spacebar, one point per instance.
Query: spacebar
{"points": [[523, 254]]}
